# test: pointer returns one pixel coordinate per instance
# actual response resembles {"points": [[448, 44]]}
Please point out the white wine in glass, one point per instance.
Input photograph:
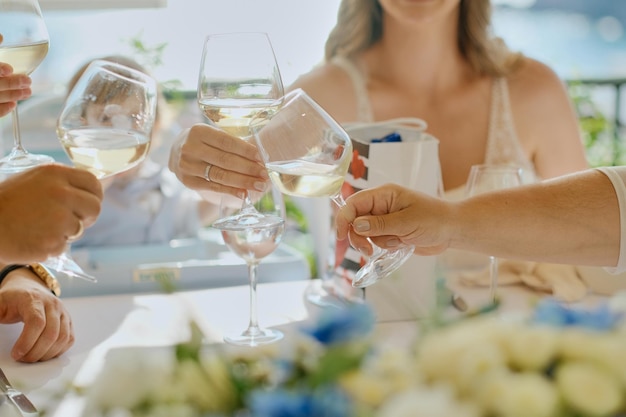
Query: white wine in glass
{"points": [[105, 128], [239, 81], [307, 154], [24, 45]]}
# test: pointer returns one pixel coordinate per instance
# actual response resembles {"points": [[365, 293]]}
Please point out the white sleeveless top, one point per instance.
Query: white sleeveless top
{"points": [[617, 175], [503, 146]]}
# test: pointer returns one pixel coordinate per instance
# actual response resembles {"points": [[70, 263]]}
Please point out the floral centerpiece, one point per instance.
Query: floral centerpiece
{"points": [[558, 362]]}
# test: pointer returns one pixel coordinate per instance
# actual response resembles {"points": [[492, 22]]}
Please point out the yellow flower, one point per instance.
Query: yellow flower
{"points": [[520, 395], [589, 389], [530, 348]]}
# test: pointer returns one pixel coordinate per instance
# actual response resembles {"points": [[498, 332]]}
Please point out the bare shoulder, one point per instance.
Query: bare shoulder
{"points": [[534, 83], [332, 88]]}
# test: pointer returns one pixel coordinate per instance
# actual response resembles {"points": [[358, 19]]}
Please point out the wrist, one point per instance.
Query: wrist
{"points": [[37, 270]]}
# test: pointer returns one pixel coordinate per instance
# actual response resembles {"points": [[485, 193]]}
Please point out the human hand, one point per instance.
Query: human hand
{"points": [[41, 207], [392, 215], [13, 87], [235, 164], [47, 331]]}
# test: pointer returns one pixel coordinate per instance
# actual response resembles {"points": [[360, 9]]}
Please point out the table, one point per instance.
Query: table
{"points": [[105, 322]]}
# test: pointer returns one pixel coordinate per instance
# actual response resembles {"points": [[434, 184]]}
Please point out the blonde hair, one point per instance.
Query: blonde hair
{"points": [[105, 95], [360, 25]]}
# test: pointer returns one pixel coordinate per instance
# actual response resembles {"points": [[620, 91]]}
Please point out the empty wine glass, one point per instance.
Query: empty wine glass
{"points": [[307, 154], [253, 243], [105, 127], [485, 178], [239, 80], [24, 45]]}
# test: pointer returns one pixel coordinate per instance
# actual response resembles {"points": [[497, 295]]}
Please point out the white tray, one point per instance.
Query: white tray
{"points": [[188, 264]]}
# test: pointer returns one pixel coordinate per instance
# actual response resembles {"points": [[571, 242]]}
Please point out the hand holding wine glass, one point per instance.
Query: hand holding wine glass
{"points": [[253, 243], [24, 46], [239, 80], [307, 154], [105, 128]]}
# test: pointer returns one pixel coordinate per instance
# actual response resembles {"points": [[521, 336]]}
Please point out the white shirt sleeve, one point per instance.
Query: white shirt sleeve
{"points": [[617, 175]]}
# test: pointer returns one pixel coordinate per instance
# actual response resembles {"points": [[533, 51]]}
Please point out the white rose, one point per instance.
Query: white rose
{"points": [[589, 389]]}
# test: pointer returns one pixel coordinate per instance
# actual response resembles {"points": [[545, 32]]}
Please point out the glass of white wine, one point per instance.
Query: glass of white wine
{"points": [[253, 243], [105, 127], [307, 154], [239, 80], [24, 45]]}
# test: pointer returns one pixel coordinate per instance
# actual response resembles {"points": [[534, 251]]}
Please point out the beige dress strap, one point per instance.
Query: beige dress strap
{"points": [[364, 109], [503, 146]]}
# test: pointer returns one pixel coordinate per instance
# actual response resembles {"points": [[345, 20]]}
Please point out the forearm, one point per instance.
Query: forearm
{"points": [[572, 219]]}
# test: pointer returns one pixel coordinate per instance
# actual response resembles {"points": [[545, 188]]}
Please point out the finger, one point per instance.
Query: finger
{"points": [[16, 82], [5, 69], [34, 322], [236, 179], [84, 180], [45, 343], [360, 243], [6, 108], [64, 340], [216, 138]]}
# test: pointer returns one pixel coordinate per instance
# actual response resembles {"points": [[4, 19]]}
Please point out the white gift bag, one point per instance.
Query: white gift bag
{"points": [[412, 162]]}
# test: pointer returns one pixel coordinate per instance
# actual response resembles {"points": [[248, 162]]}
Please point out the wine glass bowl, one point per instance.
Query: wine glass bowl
{"points": [[105, 127], [307, 154], [252, 243], [24, 45], [239, 81], [107, 119]]}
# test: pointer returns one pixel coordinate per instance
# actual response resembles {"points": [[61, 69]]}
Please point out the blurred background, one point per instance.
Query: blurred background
{"points": [[582, 40]]}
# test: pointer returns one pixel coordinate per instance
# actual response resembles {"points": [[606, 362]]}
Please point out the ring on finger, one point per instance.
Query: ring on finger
{"points": [[207, 171], [78, 234]]}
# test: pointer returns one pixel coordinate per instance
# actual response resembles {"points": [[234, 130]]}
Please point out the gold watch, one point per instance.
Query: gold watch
{"points": [[46, 277]]}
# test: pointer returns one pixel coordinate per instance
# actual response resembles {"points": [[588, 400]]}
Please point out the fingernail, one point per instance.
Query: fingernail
{"points": [[392, 243], [265, 175], [361, 225], [260, 186]]}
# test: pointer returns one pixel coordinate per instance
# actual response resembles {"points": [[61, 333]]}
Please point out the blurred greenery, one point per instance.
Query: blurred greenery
{"points": [[600, 134]]}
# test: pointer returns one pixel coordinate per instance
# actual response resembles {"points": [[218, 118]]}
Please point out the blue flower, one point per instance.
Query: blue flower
{"points": [[324, 402], [334, 326], [552, 312]]}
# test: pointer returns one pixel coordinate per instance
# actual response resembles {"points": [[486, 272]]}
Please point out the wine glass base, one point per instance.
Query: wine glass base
{"points": [[325, 293], [257, 337], [378, 268], [13, 164]]}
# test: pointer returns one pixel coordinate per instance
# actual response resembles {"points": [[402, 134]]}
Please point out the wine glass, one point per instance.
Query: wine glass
{"points": [[307, 154], [105, 127], [24, 45], [253, 243], [239, 80], [485, 178]]}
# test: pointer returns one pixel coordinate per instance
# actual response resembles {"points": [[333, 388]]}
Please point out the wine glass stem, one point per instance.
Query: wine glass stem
{"points": [[17, 137], [493, 274], [253, 327], [377, 251]]}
